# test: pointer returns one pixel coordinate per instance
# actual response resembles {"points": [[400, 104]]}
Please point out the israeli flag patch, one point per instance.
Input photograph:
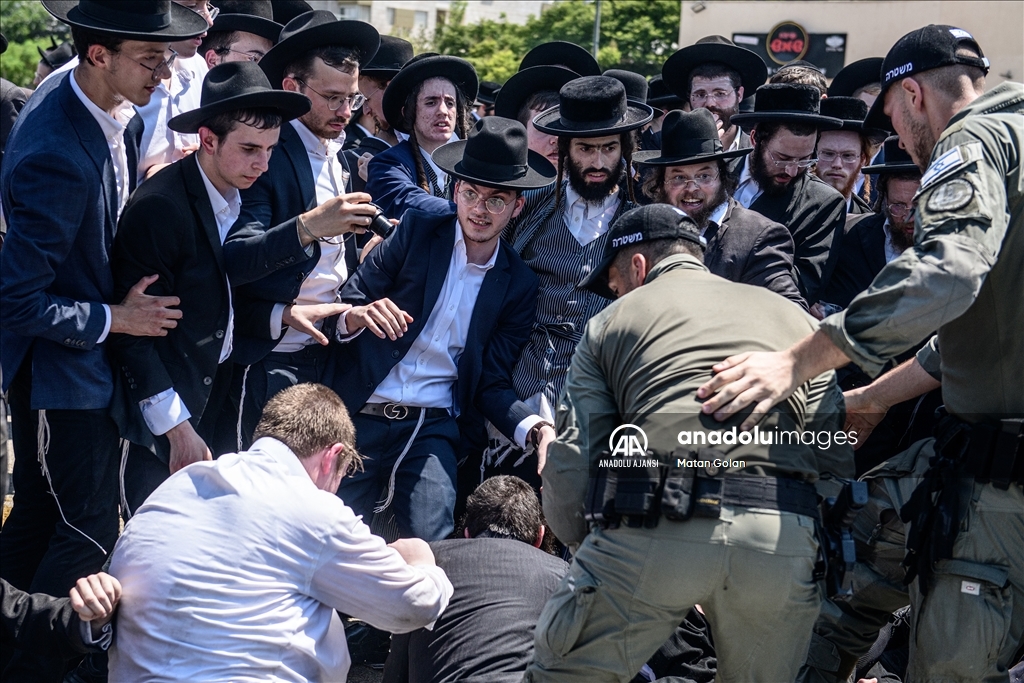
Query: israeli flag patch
{"points": [[941, 166]]}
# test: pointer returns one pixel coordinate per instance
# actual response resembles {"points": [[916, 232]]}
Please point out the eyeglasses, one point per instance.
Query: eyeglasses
{"points": [[786, 163], [253, 56], [701, 180], [334, 101], [900, 210], [828, 156], [495, 205], [164, 64], [208, 12], [700, 96]]}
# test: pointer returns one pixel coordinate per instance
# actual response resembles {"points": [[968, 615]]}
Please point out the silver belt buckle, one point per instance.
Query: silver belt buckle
{"points": [[395, 411]]}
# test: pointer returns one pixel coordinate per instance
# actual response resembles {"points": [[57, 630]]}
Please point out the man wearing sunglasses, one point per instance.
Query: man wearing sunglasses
{"points": [[775, 180]]}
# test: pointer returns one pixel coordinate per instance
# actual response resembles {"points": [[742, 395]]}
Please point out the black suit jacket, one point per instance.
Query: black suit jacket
{"points": [[168, 228], [815, 214], [486, 632], [265, 261], [38, 621], [749, 248], [410, 267], [861, 257]]}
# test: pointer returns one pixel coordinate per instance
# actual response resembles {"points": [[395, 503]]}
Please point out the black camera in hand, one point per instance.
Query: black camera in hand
{"points": [[379, 224]]}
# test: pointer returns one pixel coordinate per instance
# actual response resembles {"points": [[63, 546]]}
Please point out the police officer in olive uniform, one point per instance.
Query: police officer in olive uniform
{"points": [[963, 279], [734, 532]]}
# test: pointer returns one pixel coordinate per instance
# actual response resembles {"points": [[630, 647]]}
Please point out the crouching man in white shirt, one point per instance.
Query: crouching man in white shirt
{"points": [[233, 569]]}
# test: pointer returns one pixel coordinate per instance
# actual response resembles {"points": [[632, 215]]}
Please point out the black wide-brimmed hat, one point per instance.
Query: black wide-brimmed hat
{"points": [[487, 92], [286, 10], [634, 83], [789, 103], [3, 43], [154, 21], [496, 154], [249, 16], [636, 226], [854, 76], [663, 99], [677, 68], [518, 89], [896, 160], [238, 85], [318, 29], [391, 56], [688, 138], [851, 111], [590, 107], [562, 53], [58, 55], [421, 68]]}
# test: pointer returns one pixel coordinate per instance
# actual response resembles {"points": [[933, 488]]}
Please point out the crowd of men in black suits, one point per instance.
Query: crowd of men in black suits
{"points": [[327, 208]]}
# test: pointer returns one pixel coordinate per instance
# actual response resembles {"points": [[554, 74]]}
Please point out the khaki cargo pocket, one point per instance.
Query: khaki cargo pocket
{"points": [[566, 613]]}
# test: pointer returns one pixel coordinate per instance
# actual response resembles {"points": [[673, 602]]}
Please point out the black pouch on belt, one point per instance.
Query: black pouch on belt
{"points": [[677, 497], [638, 491]]}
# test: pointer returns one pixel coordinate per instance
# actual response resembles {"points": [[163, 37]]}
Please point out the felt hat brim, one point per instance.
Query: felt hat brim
{"points": [[676, 71], [355, 35], [518, 89], [539, 171], [636, 116], [290, 105], [820, 122], [654, 157], [457, 70], [247, 23], [887, 169], [184, 23], [855, 75]]}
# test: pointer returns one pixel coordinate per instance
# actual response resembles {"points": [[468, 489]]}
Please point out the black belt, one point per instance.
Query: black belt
{"points": [[396, 411]]}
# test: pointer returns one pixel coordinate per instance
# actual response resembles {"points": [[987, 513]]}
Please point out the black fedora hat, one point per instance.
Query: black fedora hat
{"points": [[421, 68], [677, 68], [317, 29], [391, 56], [146, 20], [58, 55], [851, 111], [3, 43], [562, 53], [518, 89], [487, 92], [663, 99], [238, 85], [854, 76], [634, 83], [590, 107], [249, 16], [496, 154], [789, 103], [688, 138], [286, 10], [896, 160]]}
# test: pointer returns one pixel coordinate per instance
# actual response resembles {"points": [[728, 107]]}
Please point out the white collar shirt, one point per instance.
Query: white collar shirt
{"points": [[426, 374], [736, 140], [716, 217], [587, 221], [321, 286], [442, 176], [177, 95], [747, 191], [233, 570]]}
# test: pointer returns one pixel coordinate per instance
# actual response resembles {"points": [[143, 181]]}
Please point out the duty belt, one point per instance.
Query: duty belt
{"points": [[397, 411]]}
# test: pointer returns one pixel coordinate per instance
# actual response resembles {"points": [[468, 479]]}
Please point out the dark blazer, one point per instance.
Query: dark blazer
{"points": [[749, 248], [391, 181], [373, 146], [410, 267], [168, 228], [858, 206], [60, 203], [265, 261], [861, 257], [36, 620], [815, 214], [486, 633]]}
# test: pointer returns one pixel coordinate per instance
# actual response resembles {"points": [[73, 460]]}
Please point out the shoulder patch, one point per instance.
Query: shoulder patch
{"points": [[945, 163], [950, 196]]}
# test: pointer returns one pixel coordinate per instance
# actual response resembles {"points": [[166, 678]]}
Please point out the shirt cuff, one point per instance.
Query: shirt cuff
{"points": [[277, 321], [343, 325], [524, 427], [106, 325], [164, 412], [101, 643], [444, 585], [929, 359]]}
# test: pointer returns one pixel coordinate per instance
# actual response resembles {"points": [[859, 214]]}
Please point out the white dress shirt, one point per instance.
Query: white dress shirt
{"points": [[232, 571], [736, 140], [166, 410], [748, 190], [113, 132], [322, 284], [587, 221], [716, 217], [179, 94], [426, 375]]}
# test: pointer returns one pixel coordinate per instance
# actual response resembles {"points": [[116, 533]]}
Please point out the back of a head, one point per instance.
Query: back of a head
{"points": [[802, 75], [308, 418], [504, 507]]}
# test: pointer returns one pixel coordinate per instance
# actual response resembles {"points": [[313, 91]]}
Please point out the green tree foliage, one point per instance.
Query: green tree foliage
{"points": [[18, 64], [635, 34], [27, 25]]}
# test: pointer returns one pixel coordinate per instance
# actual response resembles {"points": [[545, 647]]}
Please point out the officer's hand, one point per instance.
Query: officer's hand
{"points": [[94, 599], [544, 439], [304, 318], [382, 317], [187, 447], [863, 413], [762, 379], [337, 216]]}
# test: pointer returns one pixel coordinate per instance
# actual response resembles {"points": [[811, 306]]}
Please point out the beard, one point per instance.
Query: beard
{"points": [[901, 233], [700, 216], [725, 114], [764, 176], [594, 192]]}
